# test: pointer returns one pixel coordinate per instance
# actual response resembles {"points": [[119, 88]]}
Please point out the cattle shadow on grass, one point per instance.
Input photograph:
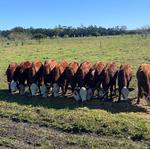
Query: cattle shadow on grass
{"points": [[70, 103]]}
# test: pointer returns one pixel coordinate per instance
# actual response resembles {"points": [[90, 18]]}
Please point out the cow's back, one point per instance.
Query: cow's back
{"points": [[48, 67], [37, 65], [58, 71], [124, 75], [109, 75], [143, 77], [99, 67], [35, 71], [11, 71], [71, 70], [112, 69], [22, 71], [82, 73]]}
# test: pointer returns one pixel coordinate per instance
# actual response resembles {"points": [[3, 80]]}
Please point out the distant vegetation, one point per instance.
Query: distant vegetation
{"points": [[20, 33]]}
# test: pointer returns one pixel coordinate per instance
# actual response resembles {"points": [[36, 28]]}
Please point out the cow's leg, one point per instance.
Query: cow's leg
{"points": [[63, 88], [106, 95], [72, 88], [128, 82], [119, 98], [115, 88], [111, 91], [66, 88], [73, 85], [48, 87], [30, 89], [139, 94], [39, 89], [9, 87], [28, 84], [19, 88]]}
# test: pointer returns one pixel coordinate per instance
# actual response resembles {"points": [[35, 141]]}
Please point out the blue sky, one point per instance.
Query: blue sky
{"points": [[50, 13]]}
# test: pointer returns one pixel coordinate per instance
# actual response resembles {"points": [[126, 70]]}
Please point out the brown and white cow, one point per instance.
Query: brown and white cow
{"points": [[109, 76], [21, 74], [124, 78], [58, 79], [69, 75], [94, 78], [11, 78], [82, 92], [99, 67], [97, 81], [143, 77], [48, 67], [35, 76]]}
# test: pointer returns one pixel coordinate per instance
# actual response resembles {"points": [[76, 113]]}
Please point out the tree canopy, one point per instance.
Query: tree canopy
{"points": [[68, 31]]}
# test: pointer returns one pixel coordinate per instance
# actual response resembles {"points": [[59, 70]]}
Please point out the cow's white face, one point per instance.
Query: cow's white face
{"points": [[34, 89], [13, 86], [125, 93], [44, 91], [76, 95], [55, 90], [83, 94], [93, 72], [21, 89], [101, 93], [89, 94], [148, 100]]}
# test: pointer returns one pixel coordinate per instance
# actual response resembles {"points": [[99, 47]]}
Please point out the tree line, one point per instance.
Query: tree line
{"points": [[21, 33]]}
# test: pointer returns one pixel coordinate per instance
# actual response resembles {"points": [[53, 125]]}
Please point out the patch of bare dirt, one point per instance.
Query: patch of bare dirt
{"points": [[24, 135]]}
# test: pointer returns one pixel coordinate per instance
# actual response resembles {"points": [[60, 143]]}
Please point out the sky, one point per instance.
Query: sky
{"points": [[51, 13]]}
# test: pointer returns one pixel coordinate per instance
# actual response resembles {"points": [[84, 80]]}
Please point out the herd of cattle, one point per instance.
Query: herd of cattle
{"points": [[83, 79]]}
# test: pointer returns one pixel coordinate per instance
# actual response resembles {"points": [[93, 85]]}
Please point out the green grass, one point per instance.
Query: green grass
{"points": [[6, 141], [107, 120], [79, 120]]}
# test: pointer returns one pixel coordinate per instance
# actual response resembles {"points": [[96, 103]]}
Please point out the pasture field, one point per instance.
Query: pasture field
{"points": [[33, 122]]}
